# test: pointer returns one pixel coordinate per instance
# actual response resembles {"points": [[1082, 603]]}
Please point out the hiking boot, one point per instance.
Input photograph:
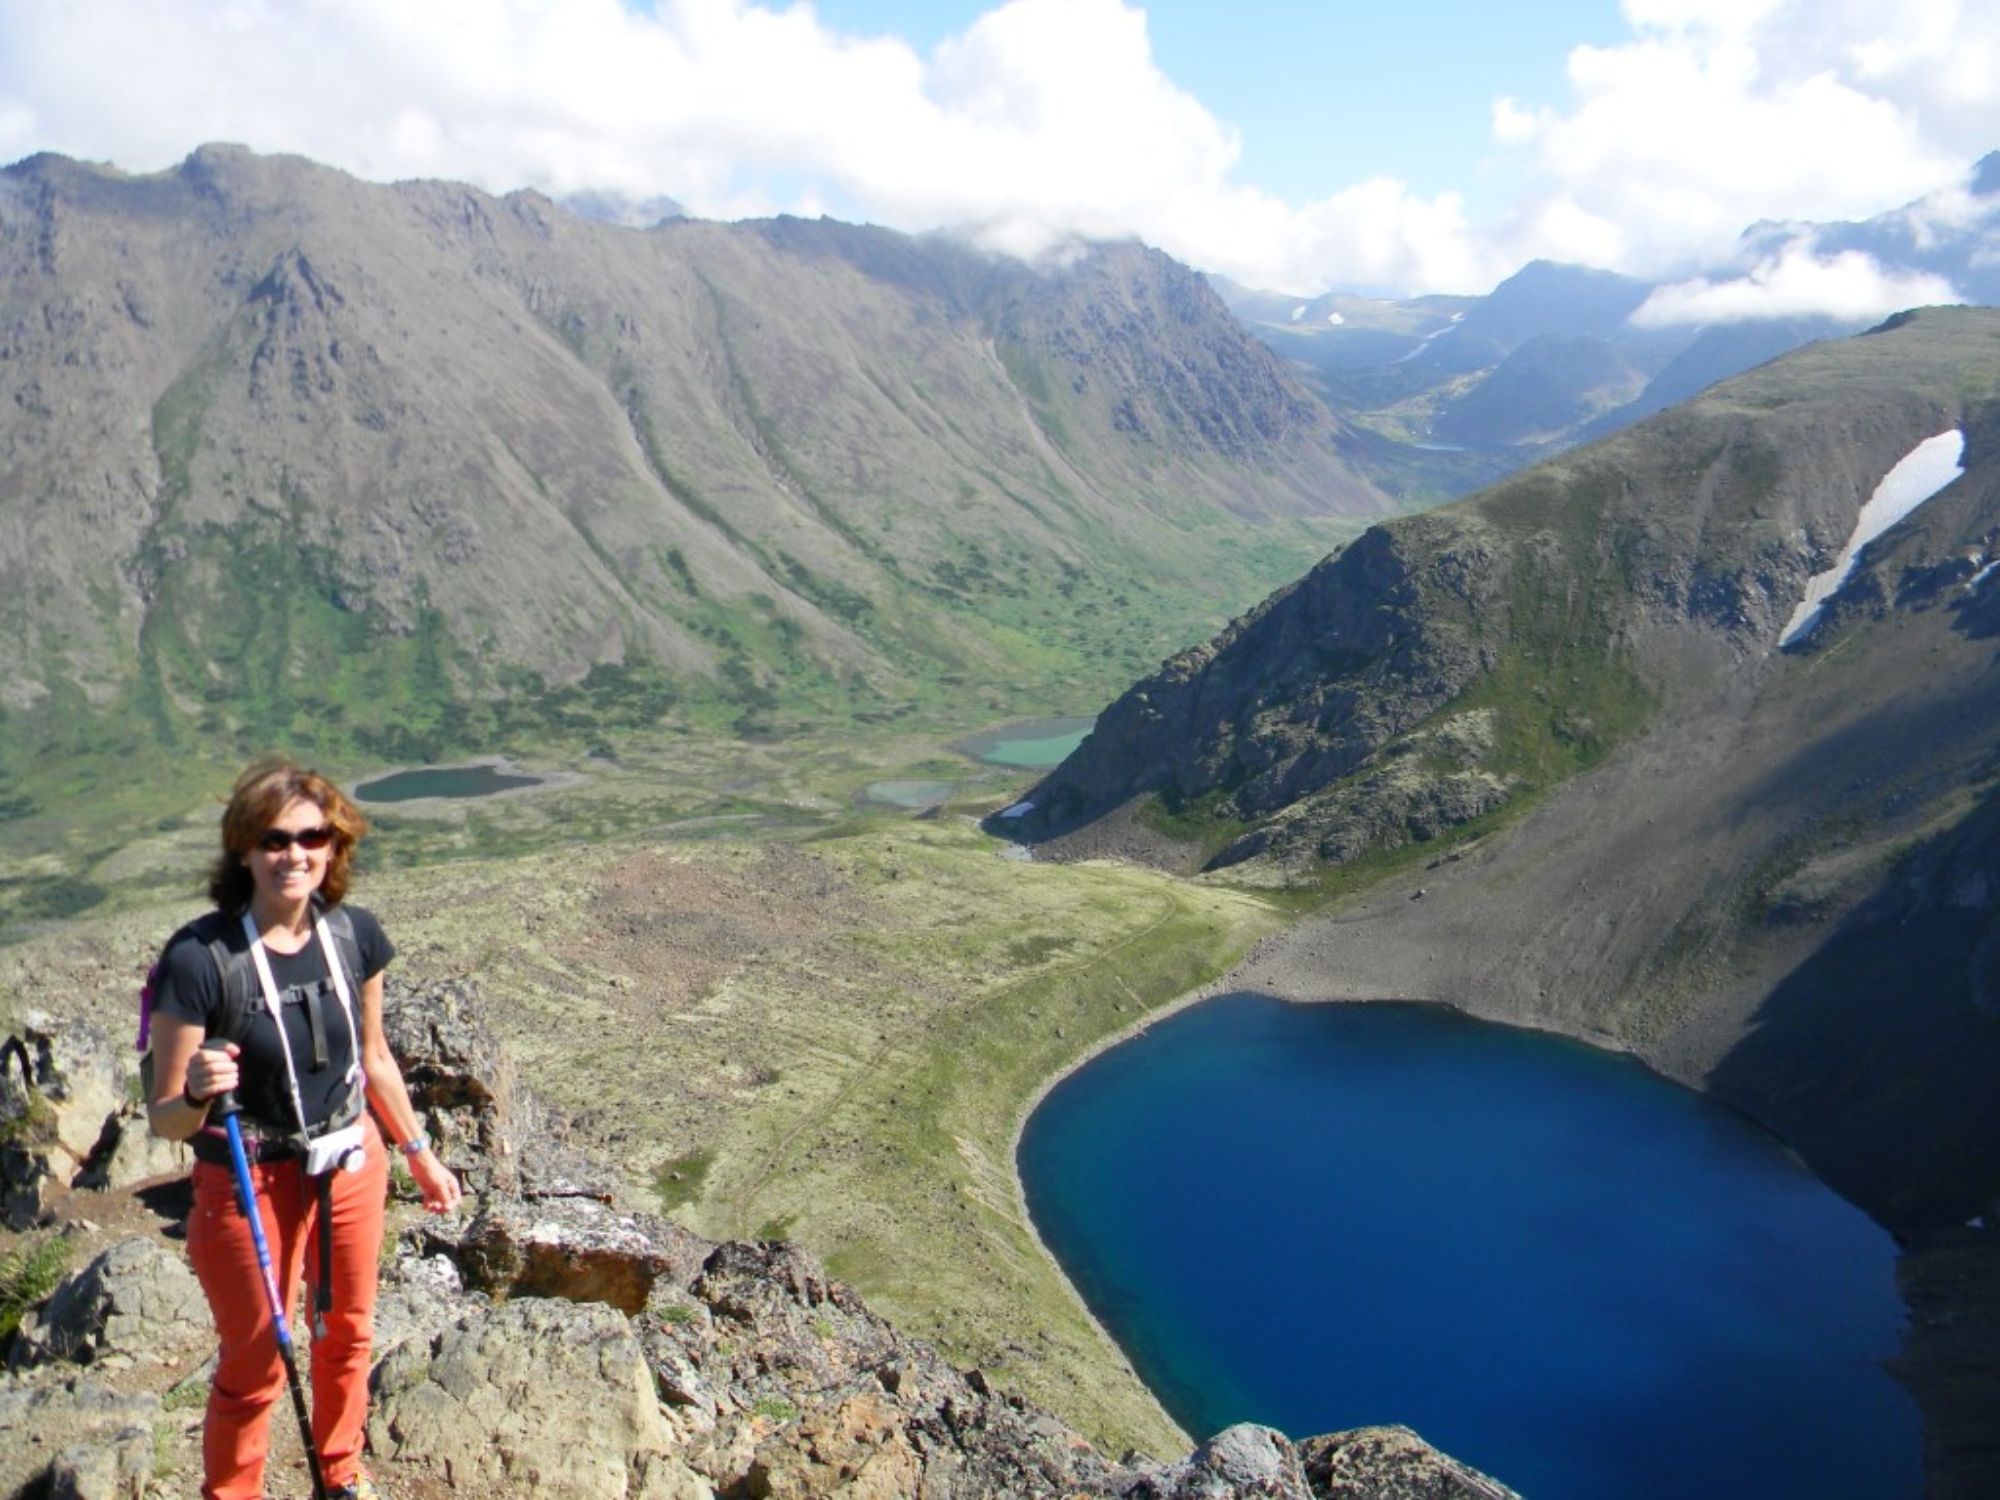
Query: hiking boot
{"points": [[362, 1488]]}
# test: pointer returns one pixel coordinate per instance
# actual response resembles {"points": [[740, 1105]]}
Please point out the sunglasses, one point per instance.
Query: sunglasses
{"points": [[278, 840]]}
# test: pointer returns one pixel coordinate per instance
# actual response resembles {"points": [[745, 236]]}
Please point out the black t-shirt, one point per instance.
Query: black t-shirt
{"points": [[190, 989]]}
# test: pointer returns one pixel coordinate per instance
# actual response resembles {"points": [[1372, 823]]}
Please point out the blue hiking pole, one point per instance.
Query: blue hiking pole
{"points": [[225, 1108]]}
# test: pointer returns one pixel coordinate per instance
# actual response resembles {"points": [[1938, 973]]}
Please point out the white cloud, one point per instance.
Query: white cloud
{"points": [[1795, 283], [1042, 121], [1719, 113]]}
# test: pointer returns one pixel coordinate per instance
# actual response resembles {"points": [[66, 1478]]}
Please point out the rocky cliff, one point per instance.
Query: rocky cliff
{"points": [[549, 1341]]}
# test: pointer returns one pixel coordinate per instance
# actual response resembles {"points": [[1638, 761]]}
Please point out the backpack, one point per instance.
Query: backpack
{"points": [[222, 934]]}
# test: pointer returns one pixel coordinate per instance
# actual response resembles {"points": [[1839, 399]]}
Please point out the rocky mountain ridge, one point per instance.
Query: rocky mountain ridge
{"points": [[289, 456], [552, 1342]]}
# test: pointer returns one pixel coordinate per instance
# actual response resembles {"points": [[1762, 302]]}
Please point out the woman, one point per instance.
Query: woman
{"points": [[288, 839]]}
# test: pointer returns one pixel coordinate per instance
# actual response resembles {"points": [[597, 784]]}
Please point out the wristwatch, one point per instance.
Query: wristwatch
{"points": [[416, 1144]]}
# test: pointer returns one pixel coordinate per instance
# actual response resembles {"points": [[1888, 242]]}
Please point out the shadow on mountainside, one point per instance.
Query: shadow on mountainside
{"points": [[1876, 1055]]}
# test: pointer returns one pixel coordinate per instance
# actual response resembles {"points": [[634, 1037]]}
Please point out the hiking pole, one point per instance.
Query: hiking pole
{"points": [[225, 1108]]}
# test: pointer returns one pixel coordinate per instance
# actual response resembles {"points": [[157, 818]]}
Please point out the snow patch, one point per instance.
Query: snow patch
{"points": [[1918, 475], [1298, 312], [1335, 319], [1018, 810], [1982, 575]]}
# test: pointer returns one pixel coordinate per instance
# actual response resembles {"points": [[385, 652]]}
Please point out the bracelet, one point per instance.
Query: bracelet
{"points": [[416, 1145], [188, 1098]]}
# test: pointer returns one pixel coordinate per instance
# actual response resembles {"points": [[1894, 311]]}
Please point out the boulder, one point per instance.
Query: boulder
{"points": [[118, 1466], [417, 1297], [128, 1152], [1244, 1462], [494, 1134], [859, 1449], [458, 1076], [59, 1085], [1391, 1463], [534, 1396], [50, 1431], [787, 1325], [577, 1249], [137, 1299]]}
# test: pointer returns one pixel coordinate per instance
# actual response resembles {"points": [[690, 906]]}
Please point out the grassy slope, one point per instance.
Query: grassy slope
{"points": [[832, 1041]]}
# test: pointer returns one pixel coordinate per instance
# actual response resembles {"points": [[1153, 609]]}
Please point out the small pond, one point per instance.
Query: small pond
{"points": [[915, 795], [1552, 1263], [1029, 744], [442, 781]]}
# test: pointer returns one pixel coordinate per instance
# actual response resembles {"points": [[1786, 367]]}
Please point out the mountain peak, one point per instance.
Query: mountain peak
{"points": [[1986, 176]]}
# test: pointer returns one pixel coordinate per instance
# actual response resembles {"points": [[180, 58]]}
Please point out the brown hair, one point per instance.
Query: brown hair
{"points": [[267, 786]]}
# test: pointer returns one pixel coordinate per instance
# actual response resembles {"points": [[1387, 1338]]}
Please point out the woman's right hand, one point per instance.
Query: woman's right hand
{"points": [[212, 1071]]}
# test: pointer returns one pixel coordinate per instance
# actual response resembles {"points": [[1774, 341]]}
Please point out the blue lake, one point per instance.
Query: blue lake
{"points": [[1553, 1264]]}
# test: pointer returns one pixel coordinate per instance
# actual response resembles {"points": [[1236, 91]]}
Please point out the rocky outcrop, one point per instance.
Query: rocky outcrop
{"points": [[554, 1343], [138, 1299], [75, 1437], [1390, 1463], [537, 1396], [69, 1117]]}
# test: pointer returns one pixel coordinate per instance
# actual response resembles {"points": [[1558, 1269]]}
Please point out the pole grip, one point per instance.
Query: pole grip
{"points": [[221, 1106]]}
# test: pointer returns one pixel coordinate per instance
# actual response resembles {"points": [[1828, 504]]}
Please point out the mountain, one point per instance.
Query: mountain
{"points": [[289, 457], [1479, 385], [1769, 870], [1954, 233], [1552, 357]]}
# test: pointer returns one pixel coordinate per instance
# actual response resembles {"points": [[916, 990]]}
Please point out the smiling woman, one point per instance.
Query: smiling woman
{"points": [[268, 1020]]}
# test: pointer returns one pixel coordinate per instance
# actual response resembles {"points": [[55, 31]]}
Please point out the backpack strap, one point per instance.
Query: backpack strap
{"points": [[346, 946], [240, 995]]}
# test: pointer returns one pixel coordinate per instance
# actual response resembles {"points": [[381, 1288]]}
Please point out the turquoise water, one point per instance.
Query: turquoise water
{"points": [[1031, 744], [1551, 1263], [442, 781]]}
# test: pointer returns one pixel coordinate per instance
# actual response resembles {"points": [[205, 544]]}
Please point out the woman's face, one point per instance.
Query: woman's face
{"points": [[288, 860]]}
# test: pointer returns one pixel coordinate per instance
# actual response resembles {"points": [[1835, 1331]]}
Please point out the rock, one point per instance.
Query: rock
{"points": [[51, 1425], [860, 1449], [58, 1088], [667, 1477], [457, 1074], [1238, 1463], [137, 1298], [576, 1249], [129, 1152], [779, 1312], [724, 1455], [495, 1135], [417, 1297], [1391, 1463], [536, 1396], [117, 1467]]}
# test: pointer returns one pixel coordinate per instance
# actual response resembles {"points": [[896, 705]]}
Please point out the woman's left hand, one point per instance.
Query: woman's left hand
{"points": [[435, 1181]]}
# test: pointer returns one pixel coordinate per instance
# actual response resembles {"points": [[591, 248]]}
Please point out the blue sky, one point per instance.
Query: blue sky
{"points": [[1420, 146], [1328, 93]]}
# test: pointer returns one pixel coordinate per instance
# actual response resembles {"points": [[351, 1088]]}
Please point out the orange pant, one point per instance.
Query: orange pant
{"points": [[249, 1373]]}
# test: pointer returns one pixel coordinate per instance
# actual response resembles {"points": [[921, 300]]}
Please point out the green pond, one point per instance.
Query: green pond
{"points": [[1030, 744], [915, 795], [442, 781]]}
